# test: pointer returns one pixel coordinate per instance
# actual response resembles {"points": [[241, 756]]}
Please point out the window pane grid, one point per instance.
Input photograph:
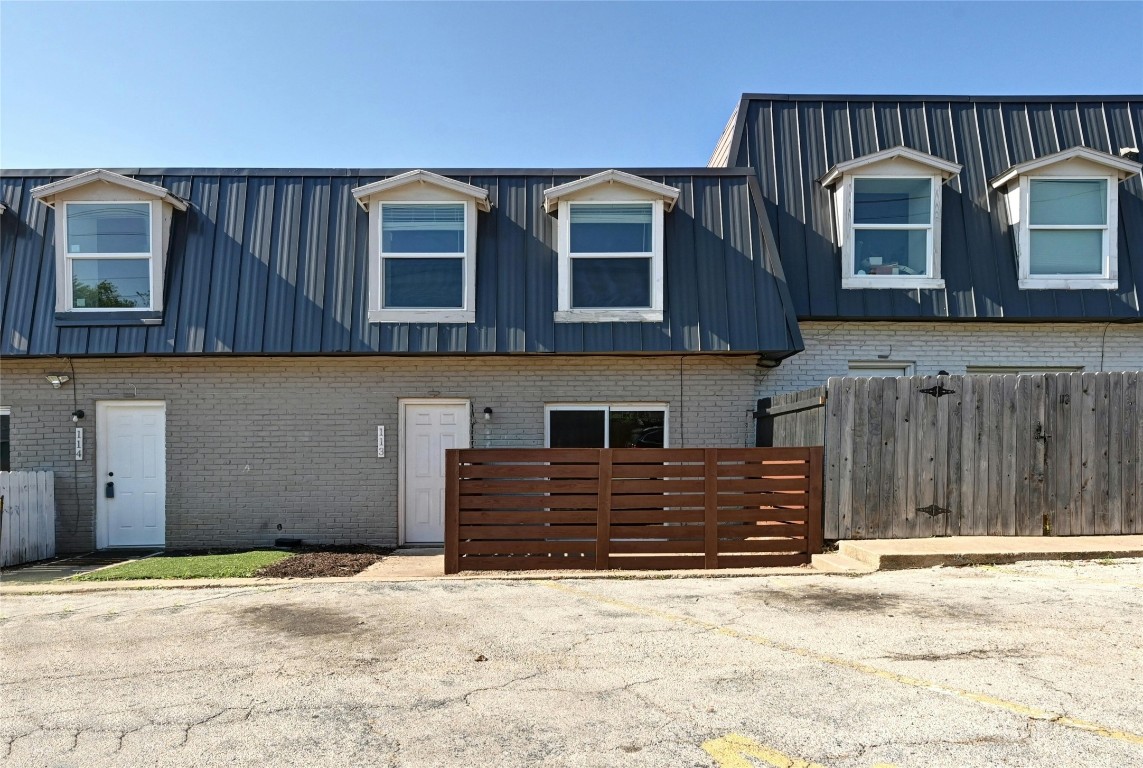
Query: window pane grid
{"points": [[412, 228]]}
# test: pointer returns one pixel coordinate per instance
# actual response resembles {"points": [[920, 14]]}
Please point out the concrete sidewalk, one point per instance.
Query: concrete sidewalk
{"points": [[853, 558], [891, 554]]}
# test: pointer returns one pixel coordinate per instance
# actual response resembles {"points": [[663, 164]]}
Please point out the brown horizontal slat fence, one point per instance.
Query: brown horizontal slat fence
{"points": [[631, 508], [1054, 454]]}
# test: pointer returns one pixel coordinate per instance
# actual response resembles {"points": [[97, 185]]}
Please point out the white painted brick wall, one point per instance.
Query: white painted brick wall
{"points": [[257, 442], [936, 346]]}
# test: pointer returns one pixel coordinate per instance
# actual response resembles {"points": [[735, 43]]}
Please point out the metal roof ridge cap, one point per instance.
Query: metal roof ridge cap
{"points": [[1025, 98], [690, 170]]}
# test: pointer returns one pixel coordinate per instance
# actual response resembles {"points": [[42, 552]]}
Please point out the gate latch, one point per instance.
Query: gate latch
{"points": [[937, 391]]}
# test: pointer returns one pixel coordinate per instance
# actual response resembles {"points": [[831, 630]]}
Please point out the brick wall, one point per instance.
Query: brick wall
{"points": [[933, 347], [257, 442]]}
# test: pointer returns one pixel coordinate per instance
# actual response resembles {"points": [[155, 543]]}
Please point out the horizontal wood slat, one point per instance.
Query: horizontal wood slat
{"points": [[658, 470], [761, 561], [472, 471], [527, 563], [651, 547], [534, 532], [512, 509], [539, 486], [761, 545], [526, 547], [628, 516]]}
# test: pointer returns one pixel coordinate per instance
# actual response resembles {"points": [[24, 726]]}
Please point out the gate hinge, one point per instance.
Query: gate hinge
{"points": [[933, 510], [937, 391]]}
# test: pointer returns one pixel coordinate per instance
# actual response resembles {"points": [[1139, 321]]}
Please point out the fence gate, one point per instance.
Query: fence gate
{"points": [[587, 508], [1029, 455]]}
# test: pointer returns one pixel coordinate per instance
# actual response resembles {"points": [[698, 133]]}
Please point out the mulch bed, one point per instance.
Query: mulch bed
{"points": [[325, 561]]}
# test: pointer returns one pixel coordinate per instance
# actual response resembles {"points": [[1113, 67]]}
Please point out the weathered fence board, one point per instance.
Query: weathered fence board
{"points": [[632, 508], [27, 517], [1042, 454]]}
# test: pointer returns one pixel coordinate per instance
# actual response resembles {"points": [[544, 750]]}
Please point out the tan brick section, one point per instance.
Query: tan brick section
{"points": [[933, 347], [257, 442]]}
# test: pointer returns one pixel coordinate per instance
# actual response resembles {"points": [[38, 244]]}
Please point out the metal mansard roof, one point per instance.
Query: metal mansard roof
{"points": [[792, 141], [275, 262]]}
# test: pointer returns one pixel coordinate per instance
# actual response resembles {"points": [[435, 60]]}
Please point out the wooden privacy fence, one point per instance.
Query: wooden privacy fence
{"points": [[27, 517], [1029, 455], [588, 508]]}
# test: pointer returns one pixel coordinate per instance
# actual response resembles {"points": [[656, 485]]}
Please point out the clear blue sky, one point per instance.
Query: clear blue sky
{"points": [[499, 84]]}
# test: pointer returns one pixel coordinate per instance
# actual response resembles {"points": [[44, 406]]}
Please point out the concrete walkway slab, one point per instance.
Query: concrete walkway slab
{"points": [[66, 567], [890, 554]]}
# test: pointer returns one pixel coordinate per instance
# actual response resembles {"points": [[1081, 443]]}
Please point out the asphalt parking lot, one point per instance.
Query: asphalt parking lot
{"points": [[1021, 665]]}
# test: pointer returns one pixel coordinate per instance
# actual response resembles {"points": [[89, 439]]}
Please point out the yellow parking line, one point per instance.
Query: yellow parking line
{"points": [[1031, 712], [731, 751]]}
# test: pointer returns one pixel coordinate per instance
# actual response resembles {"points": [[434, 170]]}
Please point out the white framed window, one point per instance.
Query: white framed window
{"points": [[109, 255], [606, 425], [891, 236], [610, 260], [427, 260], [877, 368], [1068, 237]]}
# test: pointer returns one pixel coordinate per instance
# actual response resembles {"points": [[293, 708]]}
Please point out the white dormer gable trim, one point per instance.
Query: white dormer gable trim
{"points": [[942, 167], [49, 193], [652, 189], [1120, 167], [478, 194]]}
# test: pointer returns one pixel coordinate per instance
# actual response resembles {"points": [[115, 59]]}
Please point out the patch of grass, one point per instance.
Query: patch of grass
{"points": [[174, 566]]}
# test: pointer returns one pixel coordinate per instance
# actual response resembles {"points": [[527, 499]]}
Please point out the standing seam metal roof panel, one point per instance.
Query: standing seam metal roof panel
{"points": [[790, 140], [276, 262]]}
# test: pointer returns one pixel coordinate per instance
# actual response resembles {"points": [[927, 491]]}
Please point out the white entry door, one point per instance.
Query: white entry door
{"points": [[131, 480], [430, 427]]}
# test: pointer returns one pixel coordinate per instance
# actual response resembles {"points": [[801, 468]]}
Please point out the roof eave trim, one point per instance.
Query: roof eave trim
{"points": [[362, 194], [664, 192], [1125, 168], [48, 193], [947, 168]]}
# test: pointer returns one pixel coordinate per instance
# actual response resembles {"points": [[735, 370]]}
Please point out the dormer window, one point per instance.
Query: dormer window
{"points": [[112, 234], [610, 242], [422, 245], [1064, 209], [888, 211]]}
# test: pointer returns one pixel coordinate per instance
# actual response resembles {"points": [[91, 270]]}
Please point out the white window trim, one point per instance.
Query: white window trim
{"points": [[606, 408], [69, 258], [908, 368], [1108, 278], [931, 278], [466, 313], [566, 313]]}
